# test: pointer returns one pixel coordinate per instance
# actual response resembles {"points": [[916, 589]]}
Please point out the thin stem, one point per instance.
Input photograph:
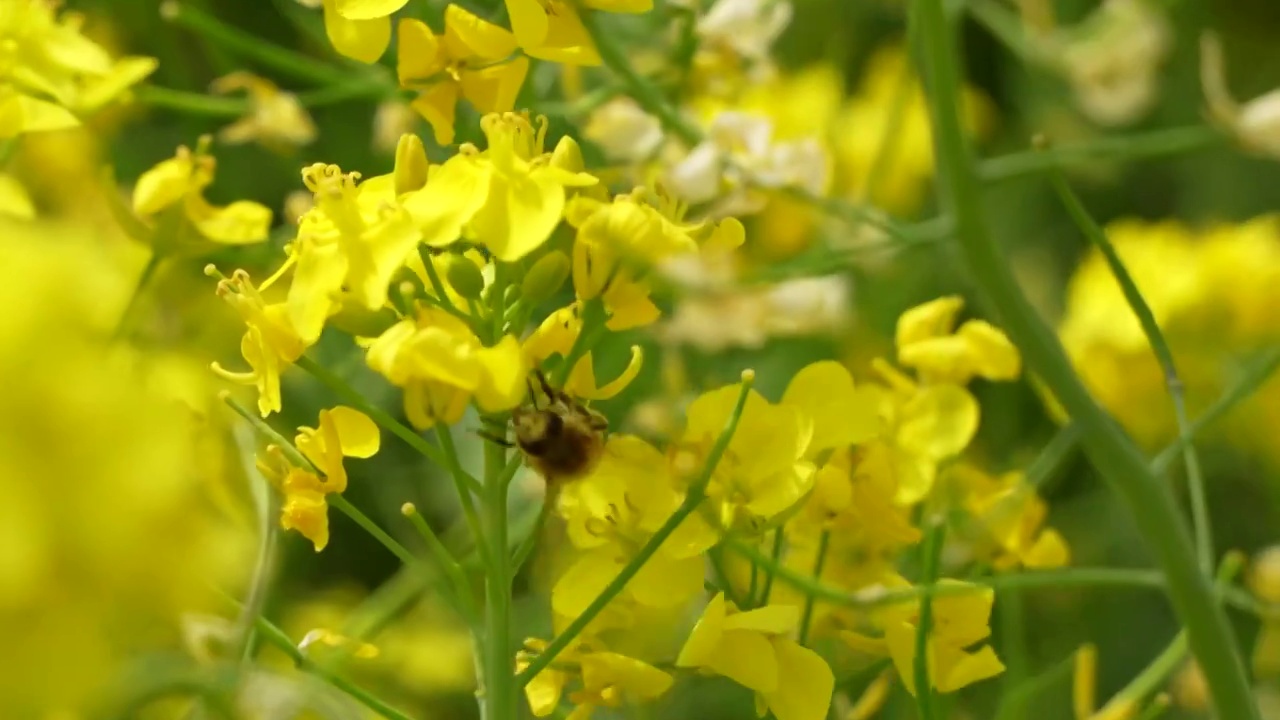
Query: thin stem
{"points": [[300, 66], [779, 541], [264, 569], [463, 482], [343, 506], [1013, 641], [139, 291], [824, 541], [349, 395], [931, 550], [437, 286], [693, 498], [1115, 148], [1164, 356], [1014, 703], [280, 640], [1148, 500], [499, 687], [593, 321], [191, 103], [716, 556], [448, 565], [1255, 373], [1054, 454]]}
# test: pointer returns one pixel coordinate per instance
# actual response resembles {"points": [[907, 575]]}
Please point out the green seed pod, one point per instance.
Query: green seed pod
{"points": [[465, 277], [544, 279], [411, 164]]}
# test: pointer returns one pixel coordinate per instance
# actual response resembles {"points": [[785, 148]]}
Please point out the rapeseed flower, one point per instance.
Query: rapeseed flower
{"points": [[753, 648], [611, 513], [1008, 520], [276, 118], [1264, 583], [270, 342], [472, 60], [552, 30], [360, 29], [556, 335], [1256, 123], [508, 198], [441, 365], [171, 197], [600, 678]]}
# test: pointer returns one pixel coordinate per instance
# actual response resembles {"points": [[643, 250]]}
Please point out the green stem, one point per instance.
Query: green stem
{"points": [[277, 638], [349, 395], [448, 566], [1054, 454], [1149, 501], [1256, 372], [1013, 641], [779, 542], [264, 569], [594, 317], [693, 498], [499, 686], [824, 541], [716, 556], [300, 66], [464, 482], [931, 550], [1115, 148], [191, 103], [437, 286], [1164, 356], [1014, 703], [139, 291], [343, 506]]}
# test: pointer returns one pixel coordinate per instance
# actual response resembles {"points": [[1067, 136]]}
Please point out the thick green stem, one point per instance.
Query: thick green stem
{"points": [[1149, 501], [693, 498]]}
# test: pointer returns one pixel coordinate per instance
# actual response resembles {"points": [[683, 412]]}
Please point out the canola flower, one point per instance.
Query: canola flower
{"points": [[761, 537]]}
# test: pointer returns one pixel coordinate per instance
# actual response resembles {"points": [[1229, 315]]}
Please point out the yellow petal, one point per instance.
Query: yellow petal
{"points": [[994, 356], [451, 197], [771, 619], [900, 639], [419, 55], [363, 40], [621, 6], [747, 658], [528, 22], [304, 509], [638, 678], [439, 104], [320, 272], [23, 114], [805, 683], [775, 494], [502, 386], [467, 35], [1084, 684], [519, 216], [163, 185], [958, 668], [494, 88], [582, 380], [544, 690], [864, 643], [666, 582], [935, 318], [584, 581], [357, 434], [124, 74], [705, 637], [961, 618], [824, 392], [1049, 551], [14, 200], [939, 421], [240, 223], [368, 9]]}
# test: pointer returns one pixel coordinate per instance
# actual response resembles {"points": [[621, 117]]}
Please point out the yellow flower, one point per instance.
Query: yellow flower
{"points": [[551, 29], [929, 343], [611, 513], [472, 59], [442, 366], [607, 679], [276, 118], [763, 473], [960, 620], [752, 649], [176, 187], [344, 432], [53, 73], [349, 246], [839, 413], [556, 336], [1264, 582], [360, 29], [270, 343], [508, 198], [1010, 517], [15, 201]]}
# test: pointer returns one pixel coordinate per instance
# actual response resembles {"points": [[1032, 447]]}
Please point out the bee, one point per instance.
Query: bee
{"points": [[563, 440]]}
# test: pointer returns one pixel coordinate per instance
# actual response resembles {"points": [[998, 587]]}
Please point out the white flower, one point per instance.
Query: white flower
{"points": [[1256, 124], [623, 130], [1112, 60], [749, 27]]}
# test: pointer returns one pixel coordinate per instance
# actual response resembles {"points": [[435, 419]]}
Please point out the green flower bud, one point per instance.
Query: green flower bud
{"points": [[465, 277], [545, 278]]}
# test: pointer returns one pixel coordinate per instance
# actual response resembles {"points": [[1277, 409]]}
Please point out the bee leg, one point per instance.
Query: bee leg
{"points": [[496, 440], [549, 391], [533, 396]]}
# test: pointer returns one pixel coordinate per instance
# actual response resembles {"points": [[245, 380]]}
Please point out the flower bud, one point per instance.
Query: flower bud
{"points": [[465, 277], [545, 277], [1256, 123], [411, 164]]}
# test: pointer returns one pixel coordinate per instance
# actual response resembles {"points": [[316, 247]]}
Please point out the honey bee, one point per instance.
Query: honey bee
{"points": [[562, 440]]}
